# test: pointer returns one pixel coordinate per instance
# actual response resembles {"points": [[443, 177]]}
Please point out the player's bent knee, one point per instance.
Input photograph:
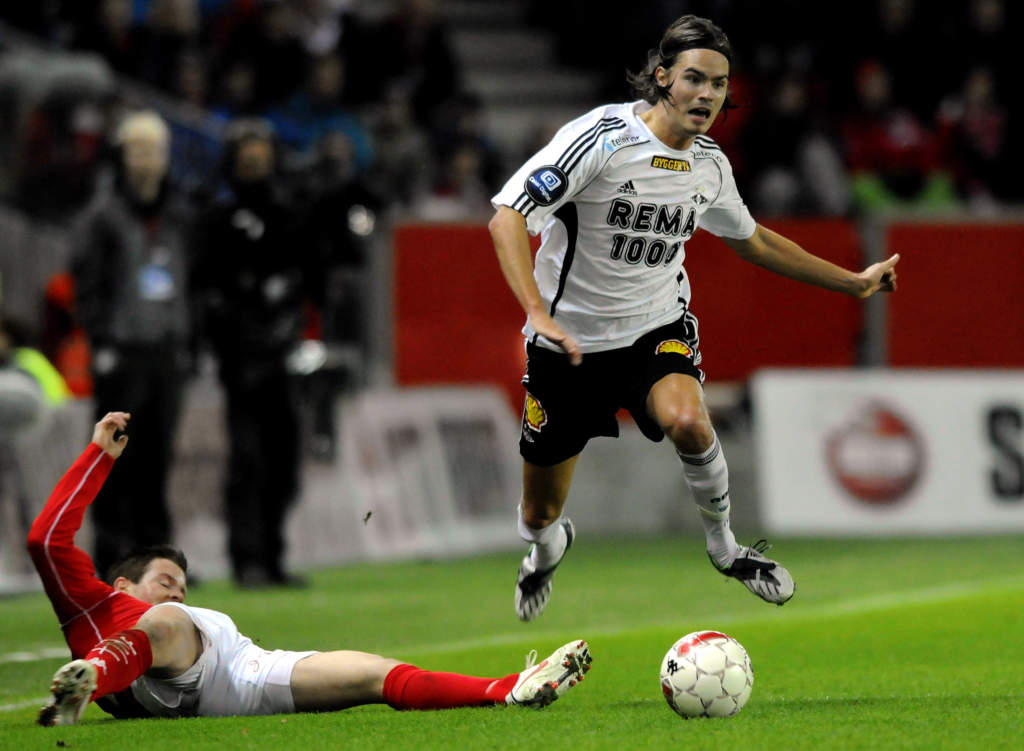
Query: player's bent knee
{"points": [[688, 429], [173, 639], [163, 624]]}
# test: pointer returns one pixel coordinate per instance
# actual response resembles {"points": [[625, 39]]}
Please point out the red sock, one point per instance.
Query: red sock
{"points": [[408, 687], [119, 660]]}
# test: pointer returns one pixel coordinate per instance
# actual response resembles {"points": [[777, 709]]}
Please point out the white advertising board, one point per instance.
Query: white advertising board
{"points": [[882, 452]]}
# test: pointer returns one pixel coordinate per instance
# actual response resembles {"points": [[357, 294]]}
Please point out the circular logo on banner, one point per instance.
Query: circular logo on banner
{"points": [[545, 185], [877, 457]]}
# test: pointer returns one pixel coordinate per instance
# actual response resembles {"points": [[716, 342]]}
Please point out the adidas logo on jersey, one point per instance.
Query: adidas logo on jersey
{"points": [[627, 188]]}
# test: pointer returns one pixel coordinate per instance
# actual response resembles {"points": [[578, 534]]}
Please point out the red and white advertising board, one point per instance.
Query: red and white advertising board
{"points": [[883, 452]]}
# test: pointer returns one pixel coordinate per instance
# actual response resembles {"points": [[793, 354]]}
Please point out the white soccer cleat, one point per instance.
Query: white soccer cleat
{"points": [[761, 575], [72, 686], [533, 588], [539, 685]]}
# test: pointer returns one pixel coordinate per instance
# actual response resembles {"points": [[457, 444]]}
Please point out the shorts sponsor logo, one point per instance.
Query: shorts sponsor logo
{"points": [[673, 347], [670, 163], [535, 416], [545, 185]]}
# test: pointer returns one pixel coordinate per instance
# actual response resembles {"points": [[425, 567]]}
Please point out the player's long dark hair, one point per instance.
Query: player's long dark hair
{"points": [[685, 33]]}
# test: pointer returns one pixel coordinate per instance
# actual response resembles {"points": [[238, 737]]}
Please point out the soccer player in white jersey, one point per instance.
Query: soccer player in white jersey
{"points": [[615, 196]]}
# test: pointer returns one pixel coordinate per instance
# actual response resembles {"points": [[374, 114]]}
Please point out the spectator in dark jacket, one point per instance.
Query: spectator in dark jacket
{"points": [[254, 280], [131, 269]]}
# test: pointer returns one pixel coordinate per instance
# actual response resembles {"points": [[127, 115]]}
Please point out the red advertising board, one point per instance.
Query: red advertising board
{"points": [[961, 296], [457, 322], [752, 318]]}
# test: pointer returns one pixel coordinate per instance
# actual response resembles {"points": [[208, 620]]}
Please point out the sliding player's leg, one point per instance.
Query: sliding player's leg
{"points": [[335, 680], [164, 643]]}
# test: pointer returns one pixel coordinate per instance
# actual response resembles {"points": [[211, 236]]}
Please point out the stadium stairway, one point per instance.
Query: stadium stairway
{"points": [[515, 70]]}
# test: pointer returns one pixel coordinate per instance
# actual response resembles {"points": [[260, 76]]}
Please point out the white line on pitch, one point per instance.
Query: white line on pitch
{"points": [[43, 653], [23, 704], [849, 606]]}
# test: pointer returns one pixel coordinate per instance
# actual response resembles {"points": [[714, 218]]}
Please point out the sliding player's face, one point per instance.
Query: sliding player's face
{"points": [[162, 581], [697, 82]]}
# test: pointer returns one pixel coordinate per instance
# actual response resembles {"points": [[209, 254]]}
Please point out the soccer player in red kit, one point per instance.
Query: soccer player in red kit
{"points": [[140, 651]]}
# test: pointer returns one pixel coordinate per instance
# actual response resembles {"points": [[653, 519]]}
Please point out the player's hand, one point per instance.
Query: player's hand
{"points": [[879, 276], [103, 433], [545, 325]]}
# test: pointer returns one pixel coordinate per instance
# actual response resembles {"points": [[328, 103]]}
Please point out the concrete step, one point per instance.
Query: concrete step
{"points": [[511, 126], [483, 14], [554, 85], [509, 48]]}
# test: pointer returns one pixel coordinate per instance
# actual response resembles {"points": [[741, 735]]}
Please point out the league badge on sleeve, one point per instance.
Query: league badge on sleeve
{"points": [[547, 184]]}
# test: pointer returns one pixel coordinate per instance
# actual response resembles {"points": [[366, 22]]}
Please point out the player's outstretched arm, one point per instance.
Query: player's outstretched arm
{"points": [[776, 253], [105, 430], [66, 570], [512, 244]]}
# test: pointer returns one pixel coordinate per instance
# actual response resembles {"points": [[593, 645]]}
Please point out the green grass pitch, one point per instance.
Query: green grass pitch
{"points": [[887, 644]]}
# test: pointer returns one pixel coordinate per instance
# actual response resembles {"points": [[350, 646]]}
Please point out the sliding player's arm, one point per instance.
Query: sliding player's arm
{"points": [[776, 253], [67, 571]]}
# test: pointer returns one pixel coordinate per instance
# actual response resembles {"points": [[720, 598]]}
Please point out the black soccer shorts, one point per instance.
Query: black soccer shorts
{"points": [[568, 405]]}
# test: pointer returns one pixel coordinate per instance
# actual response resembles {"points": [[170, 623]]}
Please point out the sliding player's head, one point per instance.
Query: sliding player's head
{"points": [[153, 574], [687, 73]]}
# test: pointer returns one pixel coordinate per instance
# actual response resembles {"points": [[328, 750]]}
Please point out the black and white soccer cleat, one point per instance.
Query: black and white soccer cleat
{"points": [[533, 588], [766, 578]]}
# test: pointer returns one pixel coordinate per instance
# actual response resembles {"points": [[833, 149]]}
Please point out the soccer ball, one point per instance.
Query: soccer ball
{"points": [[707, 674]]}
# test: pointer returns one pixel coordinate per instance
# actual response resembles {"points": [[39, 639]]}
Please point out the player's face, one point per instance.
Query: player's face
{"points": [[163, 581], [697, 82]]}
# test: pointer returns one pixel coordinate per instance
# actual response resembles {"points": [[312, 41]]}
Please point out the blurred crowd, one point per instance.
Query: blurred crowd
{"points": [[845, 107], [335, 86]]}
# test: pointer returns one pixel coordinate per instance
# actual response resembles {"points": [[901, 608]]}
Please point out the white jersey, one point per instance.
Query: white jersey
{"points": [[615, 206]]}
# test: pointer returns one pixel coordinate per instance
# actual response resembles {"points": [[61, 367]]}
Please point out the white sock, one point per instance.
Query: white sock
{"points": [[707, 474], [548, 542]]}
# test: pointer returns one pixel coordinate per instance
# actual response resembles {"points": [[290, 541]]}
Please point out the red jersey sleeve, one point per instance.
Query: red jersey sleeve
{"points": [[81, 600]]}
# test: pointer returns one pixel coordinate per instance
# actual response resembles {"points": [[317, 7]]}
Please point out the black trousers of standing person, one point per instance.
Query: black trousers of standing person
{"points": [[131, 509], [263, 468]]}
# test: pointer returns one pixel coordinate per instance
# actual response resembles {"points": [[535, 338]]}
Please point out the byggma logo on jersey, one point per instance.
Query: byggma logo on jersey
{"points": [[547, 184], [669, 163]]}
